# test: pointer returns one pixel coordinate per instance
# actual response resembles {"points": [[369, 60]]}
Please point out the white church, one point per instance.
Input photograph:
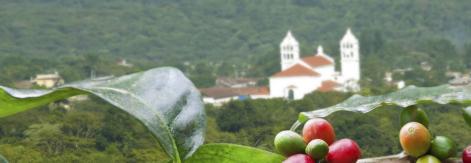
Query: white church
{"points": [[300, 76]]}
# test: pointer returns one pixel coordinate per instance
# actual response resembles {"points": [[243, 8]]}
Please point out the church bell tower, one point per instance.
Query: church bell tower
{"points": [[350, 57], [289, 51]]}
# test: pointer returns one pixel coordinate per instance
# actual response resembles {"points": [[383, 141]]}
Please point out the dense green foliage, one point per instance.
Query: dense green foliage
{"points": [[238, 37], [93, 131], [90, 132]]}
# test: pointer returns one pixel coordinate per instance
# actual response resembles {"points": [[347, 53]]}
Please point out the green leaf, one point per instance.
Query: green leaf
{"points": [[467, 115], [444, 94], [3, 159], [232, 153], [163, 99]]}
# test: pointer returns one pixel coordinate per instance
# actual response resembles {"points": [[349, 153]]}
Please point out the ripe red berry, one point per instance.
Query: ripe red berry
{"points": [[467, 155], [299, 158], [343, 151], [318, 129]]}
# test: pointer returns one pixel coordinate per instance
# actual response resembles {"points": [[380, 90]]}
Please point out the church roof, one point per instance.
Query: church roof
{"points": [[317, 61], [218, 92], [297, 70], [328, 85], [255, 90], [349, 37], [289, 39]]}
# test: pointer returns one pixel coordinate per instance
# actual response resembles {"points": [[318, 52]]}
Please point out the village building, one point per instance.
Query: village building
{"points": [[48, 80], [425, 66], [400, 84], [219, 95], [124, 63], [389, 80], [23, 84], [459, 79], [388, 77], [236, 82]]}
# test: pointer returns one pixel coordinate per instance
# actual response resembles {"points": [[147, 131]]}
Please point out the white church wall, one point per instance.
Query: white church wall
{"points": [[259, 96], [209, 100], [218, 101], [288, 63], [279, 87], [350, 70], [327, 72]]}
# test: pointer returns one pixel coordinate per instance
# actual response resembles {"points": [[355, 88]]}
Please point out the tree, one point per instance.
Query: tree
{"points": [[82, 124], [47, 137], [371, 42], [19, 153]]}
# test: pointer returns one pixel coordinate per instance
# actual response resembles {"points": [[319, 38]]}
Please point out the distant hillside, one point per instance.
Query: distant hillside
{"points": [[241, 32], [214, 28]]}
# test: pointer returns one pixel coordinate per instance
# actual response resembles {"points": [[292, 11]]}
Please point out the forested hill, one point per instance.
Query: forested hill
{"points": [[210, 38], [215, 29]]}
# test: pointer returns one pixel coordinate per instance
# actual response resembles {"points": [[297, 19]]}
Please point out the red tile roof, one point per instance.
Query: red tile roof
{"points": [[218, 92], [297, 70], [317, 60], [328, 86], [221, 92], [254, 90]]}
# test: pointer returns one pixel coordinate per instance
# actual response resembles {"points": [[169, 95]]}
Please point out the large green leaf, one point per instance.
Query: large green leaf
{"points": [[163, 99], [232, 153], [3, 160], [408, 96]]}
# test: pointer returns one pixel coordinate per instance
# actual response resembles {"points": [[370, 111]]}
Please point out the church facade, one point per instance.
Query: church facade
{"points": [[300, 76]]}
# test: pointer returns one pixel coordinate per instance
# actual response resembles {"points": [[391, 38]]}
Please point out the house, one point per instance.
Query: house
{"points": [[78, 98], [388, 77], [425, 66], [400, 84], [48, 80], [23, 84], [235, 82], [220, 95], [124, 63], [460, 80], [300, 76]]}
